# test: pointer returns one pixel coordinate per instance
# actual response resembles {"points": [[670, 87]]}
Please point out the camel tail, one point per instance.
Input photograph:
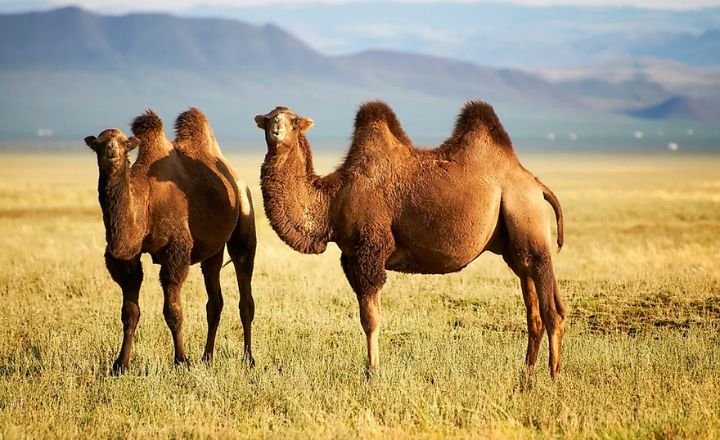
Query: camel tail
{"points": [[555, 203], [193, 133], [147, 125], [378, 111]]}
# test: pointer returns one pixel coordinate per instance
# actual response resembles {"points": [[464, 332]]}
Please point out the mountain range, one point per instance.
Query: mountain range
{"points": [[495, 34], [75, 72]]}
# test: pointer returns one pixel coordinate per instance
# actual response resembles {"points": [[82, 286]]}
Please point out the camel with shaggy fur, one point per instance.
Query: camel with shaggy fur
{"points": [[391, 206], [181, 203]]}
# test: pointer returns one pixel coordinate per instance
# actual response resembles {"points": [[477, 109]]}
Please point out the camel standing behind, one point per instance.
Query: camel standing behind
{"points": [[391, 206], [181, 203]]}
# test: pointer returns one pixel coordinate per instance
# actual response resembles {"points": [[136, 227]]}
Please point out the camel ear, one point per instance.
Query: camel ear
{"points": [[132, 143], [91, 141], [304, 124], [260, 121]]}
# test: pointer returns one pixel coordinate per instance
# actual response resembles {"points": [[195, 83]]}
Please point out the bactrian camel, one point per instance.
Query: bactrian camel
{"points": [[181, 203], [391, 206]]}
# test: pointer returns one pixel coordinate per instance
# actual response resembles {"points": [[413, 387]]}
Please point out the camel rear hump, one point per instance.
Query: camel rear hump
{"points": [[478, 117], [193, 133], [374, 112]]}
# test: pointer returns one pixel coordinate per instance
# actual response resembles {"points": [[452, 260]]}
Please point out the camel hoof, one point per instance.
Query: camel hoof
{"points": [[370, 373], [182, 362], [207, 358], [555, 372], [526, 381], [249, 361], [118, 368]]}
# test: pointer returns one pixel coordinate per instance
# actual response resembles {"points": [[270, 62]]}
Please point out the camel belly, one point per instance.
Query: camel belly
{"points": [[426, 261], [444, 233]]}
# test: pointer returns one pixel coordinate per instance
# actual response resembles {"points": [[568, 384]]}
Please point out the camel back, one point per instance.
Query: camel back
{"points": [[193, 134]]}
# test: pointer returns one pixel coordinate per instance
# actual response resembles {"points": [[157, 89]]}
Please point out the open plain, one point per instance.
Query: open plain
{"points": [[640, 275]]}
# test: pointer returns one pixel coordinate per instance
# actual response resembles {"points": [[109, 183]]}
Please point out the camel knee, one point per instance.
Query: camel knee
{"points": [[214, 307], [126, 273], [173, 316], [369, 312], [130, 314], [535, 324], [247, 308], [243, 255]]}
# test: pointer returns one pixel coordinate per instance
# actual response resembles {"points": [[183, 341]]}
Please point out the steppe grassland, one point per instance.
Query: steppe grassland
{"points": [[640, 274]]}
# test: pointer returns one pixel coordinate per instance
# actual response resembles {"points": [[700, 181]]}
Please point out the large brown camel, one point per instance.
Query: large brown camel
{"points": [[391, 206], [181, 203]]}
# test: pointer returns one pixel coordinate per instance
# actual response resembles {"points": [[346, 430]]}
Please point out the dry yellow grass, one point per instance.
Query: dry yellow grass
{"points": [[640, 274]]}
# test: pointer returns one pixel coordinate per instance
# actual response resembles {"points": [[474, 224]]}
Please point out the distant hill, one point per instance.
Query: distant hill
{"points": [[495, 33], [680, 107], [701, 49], [436, 75], [74, 38], [71, 72]]}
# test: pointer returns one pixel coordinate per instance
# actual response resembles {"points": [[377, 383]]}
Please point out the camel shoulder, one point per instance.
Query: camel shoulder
{"points": [[194, 135]]}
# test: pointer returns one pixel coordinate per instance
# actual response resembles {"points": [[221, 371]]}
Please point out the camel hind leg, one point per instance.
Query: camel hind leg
{"points": [[241, 247], [211, 274], [535, 325], [528, 252]]}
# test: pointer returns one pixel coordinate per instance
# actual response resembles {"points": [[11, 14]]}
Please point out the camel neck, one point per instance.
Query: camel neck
{"points": [[296, 200], [122, 229]]}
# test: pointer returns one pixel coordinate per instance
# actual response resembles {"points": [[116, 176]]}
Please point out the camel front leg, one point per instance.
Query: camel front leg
{"points": [[129, 275], [365, 271], [370, 315], [173, 271]]}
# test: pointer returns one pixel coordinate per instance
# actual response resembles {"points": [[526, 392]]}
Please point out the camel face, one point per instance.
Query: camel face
{"points": [[282, 126], [111, 147]]}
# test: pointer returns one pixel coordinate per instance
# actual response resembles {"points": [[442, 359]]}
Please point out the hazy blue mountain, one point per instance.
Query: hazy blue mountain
{"points": [[696, 49], [442, 76], [74, 38], [75, 73], [496, 34], [680, 107]]}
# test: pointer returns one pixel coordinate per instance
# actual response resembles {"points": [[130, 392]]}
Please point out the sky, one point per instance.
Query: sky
{"points": [[179, 5]]}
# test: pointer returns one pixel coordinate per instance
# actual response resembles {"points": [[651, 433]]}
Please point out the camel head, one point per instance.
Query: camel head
{"points": [[282, 126], [112, 148]]}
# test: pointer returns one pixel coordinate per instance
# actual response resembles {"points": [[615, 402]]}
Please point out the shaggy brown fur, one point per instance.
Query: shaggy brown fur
{"points": [[391, 206], [181, 204]]}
